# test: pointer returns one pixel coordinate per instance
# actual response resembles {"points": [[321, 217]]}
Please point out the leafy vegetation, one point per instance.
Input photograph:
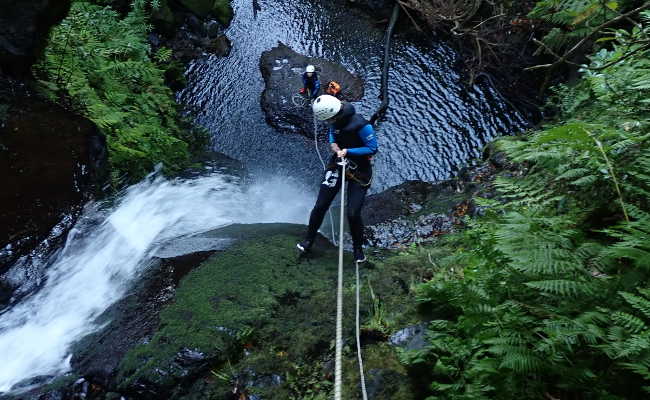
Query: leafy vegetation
{"points": [[548, 296], [104, 63]]}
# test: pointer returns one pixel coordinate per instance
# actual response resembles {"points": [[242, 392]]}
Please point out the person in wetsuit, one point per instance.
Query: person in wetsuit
{"points": [[310, 82], [353, 137]]}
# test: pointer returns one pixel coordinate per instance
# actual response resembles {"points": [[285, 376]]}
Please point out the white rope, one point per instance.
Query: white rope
{"points": [[320, 157], [363, 379], [339, 296]]}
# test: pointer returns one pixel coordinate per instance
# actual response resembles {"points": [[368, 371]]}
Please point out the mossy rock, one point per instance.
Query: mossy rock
{"points": [[221, 9], [222, 305]]}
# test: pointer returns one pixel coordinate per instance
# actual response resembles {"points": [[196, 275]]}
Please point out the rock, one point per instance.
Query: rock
{"points": [[24, 28], [132, 320], [382, 384], [412, 212], [232, 309], [409, 338], [52, 161], [220, 46], [282, 70], [404, 199], [213, 29], [377, 8], [196, 25], [220, 9]]}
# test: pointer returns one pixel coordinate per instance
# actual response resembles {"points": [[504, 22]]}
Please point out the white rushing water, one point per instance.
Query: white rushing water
{"points": [[107, 249]]}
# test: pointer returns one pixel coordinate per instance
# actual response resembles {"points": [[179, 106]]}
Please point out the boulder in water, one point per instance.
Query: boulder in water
{"points": [[282, 70]]}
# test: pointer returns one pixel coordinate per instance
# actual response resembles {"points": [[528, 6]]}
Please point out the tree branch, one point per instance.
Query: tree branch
{"points": [[589, 37]]}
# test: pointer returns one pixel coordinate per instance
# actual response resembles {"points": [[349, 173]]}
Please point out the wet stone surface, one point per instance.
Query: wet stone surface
{"points": [[282, 70]]}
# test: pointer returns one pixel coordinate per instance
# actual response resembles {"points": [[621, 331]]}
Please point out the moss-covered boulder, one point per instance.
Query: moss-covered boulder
{"points": [[221, 9], [249, 319], [230, 303]]}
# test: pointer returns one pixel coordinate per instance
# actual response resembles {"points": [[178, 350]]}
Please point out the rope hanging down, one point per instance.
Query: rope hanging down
{"points": [[339, 295], [384, 74], [322, 161], [339, 306]]}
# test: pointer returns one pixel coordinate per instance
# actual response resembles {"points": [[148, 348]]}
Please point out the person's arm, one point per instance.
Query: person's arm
{"points": [[304, 81], [332, 139], [330, 134], [316, 88], [367, 134]]}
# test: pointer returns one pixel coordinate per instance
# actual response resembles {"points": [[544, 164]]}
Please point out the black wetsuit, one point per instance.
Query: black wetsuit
{"points": [[352, 132]]}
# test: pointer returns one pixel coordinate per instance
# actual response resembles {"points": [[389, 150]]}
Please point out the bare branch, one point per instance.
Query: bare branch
{"points": [[596, 31]]}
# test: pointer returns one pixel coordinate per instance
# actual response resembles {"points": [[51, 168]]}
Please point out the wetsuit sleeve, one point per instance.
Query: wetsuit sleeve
{"points": [[316, 88], [367, 134], [330, 134]]}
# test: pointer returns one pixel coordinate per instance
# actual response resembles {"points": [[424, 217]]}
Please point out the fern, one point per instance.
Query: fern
{"points": [[103, 62]]}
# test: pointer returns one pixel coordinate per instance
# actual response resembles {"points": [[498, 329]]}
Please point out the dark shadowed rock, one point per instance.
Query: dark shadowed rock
{"points": [[282, 70], [377, 8], [51, 160], [132, 320], [220, 46], [24, 27]]}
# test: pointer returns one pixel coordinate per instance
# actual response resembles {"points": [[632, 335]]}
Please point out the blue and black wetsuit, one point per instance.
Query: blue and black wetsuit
{"points": [[311, 84], [352, 132]]}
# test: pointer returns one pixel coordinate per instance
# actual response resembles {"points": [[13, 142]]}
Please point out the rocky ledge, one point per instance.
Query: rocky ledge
{"points": [[244, 317], [282, 70], [417, 212]]}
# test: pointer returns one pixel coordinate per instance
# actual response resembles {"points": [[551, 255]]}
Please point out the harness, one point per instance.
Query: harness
{"points": [[352, 172]]}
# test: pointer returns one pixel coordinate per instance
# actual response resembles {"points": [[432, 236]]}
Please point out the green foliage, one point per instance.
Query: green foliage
{"points": [[554, 299], [103, 63], [572, 20]]}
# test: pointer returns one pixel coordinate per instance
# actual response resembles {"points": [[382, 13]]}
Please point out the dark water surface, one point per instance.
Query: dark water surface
{"points": [[434, 123]]}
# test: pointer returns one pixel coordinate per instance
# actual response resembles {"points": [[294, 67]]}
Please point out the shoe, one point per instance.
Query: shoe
{"points": [[359, 257], [305, 245]]}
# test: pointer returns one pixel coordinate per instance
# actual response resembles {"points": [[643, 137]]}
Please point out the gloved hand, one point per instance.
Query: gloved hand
{"points": [[302, 91]]}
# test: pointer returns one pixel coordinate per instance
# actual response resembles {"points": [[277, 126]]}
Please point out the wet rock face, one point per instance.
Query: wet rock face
{"points": [[378, 8], [133, 319], [24, 27], [282, 70], [51, 161], [411, 212], [417, 211]]}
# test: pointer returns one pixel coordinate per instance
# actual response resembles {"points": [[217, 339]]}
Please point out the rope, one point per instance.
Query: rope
{"points": [[339, 307], [339, 296], [320, 157], [363, 379], [384, 75]]}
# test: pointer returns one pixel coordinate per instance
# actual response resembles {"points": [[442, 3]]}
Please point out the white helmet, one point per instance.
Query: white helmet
{"points": [[310, 68], [326, 106]]}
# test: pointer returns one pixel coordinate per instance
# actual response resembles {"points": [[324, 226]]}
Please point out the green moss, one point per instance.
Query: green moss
{"points": [[218, 304], [259, 296], [204, 8], [223, 11], [386, 378]]}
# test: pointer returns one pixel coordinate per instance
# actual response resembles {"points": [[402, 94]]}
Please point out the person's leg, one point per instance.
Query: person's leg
{"points": [[356, 198], [326, 194]]}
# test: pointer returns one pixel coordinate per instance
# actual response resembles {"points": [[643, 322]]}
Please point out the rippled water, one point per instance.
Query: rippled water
{"points": [[434, 125]]}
